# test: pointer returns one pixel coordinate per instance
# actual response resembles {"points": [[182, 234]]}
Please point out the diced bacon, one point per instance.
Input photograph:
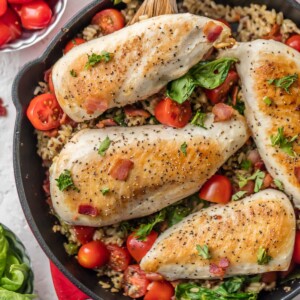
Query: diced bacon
{"points": [[274, 34], [222, 112], [249, 187], [87, 209], [254, 156], [212, 31], [297, 173], [224, 263], [219, 269], [268, 180], [106, 123], [94, 104], [234, 94], [131, 111], [3, 110], [154, 277], [121, 169]]}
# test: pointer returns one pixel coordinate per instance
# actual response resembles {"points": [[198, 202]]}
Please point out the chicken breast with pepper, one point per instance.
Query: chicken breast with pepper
{"points": [[104, 176], [269, 72], [133, 63], [250, 236]]}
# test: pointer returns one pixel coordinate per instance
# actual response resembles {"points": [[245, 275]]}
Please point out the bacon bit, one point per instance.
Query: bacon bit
{"points": [[268, 181], [249, 187], [254, 156], [212, 31], [64, 119], [106, 123], [121, 169], [3, 110], [260, 165], [274, 34], [222, 112], [220, 268], [51, 133], [234, 94], [89, 210], [93, 104], [131, 111], [154, 277], [47, 75], [297, 173]]}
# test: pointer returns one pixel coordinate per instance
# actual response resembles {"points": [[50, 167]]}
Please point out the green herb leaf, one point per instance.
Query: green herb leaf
{"points": [[120, 119], [283, 143], [176, 213], [238, 195], [199, 119], [240, 107], [125, 228], [209, 75], [284, 82], [105, 190], [181, 89], [203, 251], [117, 2], [104, 146], [268, 100], [145, 229], [262, 256], [94, 59], [246, 164], [65, 181], [73, 73], [279, 184], [258, 176], [183, 148], [71, 248]]}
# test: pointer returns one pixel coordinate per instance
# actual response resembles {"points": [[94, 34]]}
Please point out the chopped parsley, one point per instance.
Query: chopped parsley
{"points": [[246, 164], [203, 251], [145, 229], [258, 176], [94, 59], [104, 146], [280, 140], [284, 82], [268, 100], [73, 73], [238, 195], [199, 119], [279, 184], [120, 119], [65, 181], [183, 148], [105, 190], [240, 107], [262, 256]]}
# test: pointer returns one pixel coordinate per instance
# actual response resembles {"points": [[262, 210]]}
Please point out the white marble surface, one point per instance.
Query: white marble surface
{"points": [[11, 213]]}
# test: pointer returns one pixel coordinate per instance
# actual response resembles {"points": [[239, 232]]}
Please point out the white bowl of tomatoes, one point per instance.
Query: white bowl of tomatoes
{"points": [[25, 22]]}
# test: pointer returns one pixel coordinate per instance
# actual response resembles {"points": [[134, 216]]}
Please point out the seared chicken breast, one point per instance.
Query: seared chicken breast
{"points": [[144, 169], [139, 61], [237, 233], [271, 108]]}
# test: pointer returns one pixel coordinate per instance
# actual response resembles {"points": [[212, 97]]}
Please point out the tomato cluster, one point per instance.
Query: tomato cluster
{"points": [[17, 15]]}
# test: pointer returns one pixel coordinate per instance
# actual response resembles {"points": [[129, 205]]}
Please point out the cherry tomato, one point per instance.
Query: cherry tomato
{"points": [[36, 14], [159, 290], [138, 248], [5, 35], [296, 254], [93, 255], [44, 112], [294, 42], [135, 281], [84, 234], [109, 20], [217, 189], [73, 43], [3, 7], [11, 20], [63, 287], [219, 93], [19, 1], [224, 22], [171, 113], [119, 258]]}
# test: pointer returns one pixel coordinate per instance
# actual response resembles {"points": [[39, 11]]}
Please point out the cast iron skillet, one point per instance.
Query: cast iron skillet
{"points": [[29, 173]]}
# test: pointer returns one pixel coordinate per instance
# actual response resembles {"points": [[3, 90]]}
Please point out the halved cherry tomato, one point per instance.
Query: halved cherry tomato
{"points": [[135, 281], [84, 234], [12, 21], [65, 288], [3, 7], [109, 20], [138, 248], [217, 189], [159, 290], [296, 254], [36, 14], [73, 43], [19, 1], [294, 42], [119, 258], [171, 113], [44, 112], [93, 255], [5, 35], [220, 93]]}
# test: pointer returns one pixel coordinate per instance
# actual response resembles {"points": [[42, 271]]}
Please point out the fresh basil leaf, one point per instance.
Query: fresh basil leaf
{"points": [[183, 148], [181, 89], [9, 295], [238, 195], [203, 251], [3, 250], [104, 146], [284, 82], [283, 143], [262, 256], [199, 119], [65, 181]]}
